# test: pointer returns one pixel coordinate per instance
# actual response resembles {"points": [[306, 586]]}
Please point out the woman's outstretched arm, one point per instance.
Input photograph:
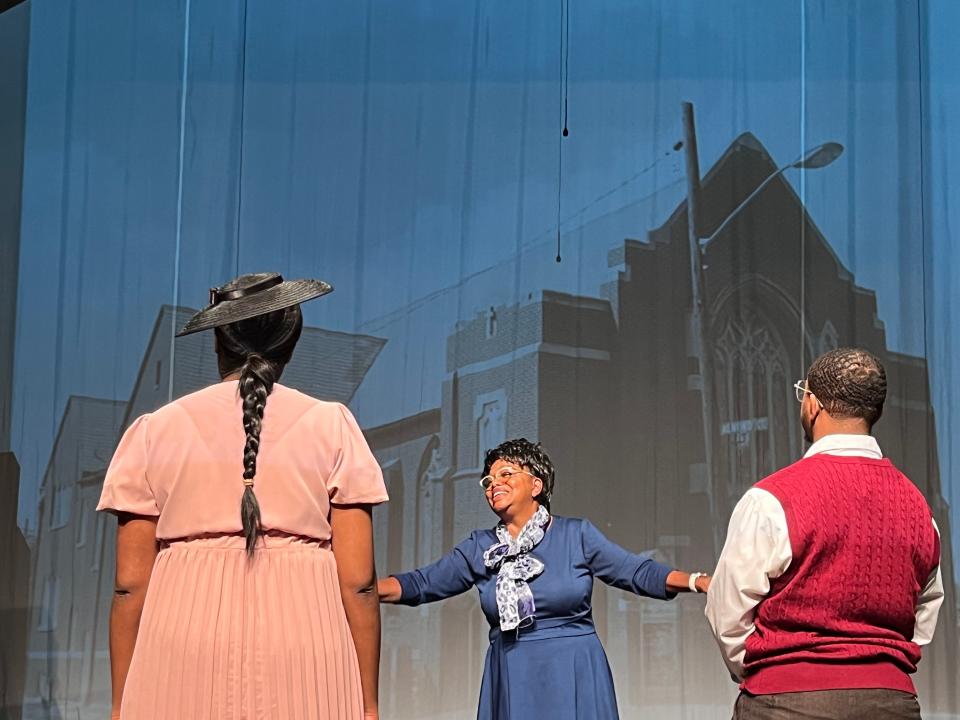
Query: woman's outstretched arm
{"points": [[637, 573], [450, 575]]}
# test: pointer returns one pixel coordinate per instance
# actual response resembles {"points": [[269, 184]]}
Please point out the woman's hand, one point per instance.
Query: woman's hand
{"points": [[389, 590], [679, 581]]}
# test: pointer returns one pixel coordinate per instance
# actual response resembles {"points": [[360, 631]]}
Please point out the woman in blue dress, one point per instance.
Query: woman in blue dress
{"points": [[535, 573]]}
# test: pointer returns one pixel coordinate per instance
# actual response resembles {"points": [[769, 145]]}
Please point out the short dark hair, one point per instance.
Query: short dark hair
{"points": [[850, 382], [527, 455]]}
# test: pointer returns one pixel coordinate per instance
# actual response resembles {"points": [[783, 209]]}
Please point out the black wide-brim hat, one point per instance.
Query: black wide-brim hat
{"points": [[251, 295]]}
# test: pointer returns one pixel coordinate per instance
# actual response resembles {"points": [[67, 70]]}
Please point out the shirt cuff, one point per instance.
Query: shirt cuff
{"points": [[658, 582], [377, 499], [409, 591]]}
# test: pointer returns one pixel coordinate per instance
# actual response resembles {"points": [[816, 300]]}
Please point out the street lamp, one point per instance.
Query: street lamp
{"points": [[817, 157]]}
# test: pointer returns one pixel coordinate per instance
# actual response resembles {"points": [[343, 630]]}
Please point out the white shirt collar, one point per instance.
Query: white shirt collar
{"points": [[848, 445]]}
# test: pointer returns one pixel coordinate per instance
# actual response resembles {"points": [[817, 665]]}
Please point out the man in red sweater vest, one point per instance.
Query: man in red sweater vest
{"points": [[829, 581]]}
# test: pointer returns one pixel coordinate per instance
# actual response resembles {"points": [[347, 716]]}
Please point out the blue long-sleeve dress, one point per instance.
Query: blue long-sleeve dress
{"points": [[556, 668]]}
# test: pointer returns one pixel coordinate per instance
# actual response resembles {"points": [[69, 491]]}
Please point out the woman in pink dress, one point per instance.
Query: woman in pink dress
{"points": [[245, 576]]}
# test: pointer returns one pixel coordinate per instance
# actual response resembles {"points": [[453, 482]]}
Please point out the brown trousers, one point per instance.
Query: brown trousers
{"points": [[828, 705]]}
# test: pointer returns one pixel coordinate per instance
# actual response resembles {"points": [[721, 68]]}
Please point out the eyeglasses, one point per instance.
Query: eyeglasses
{"points": [[506, 474], [800, 388]]}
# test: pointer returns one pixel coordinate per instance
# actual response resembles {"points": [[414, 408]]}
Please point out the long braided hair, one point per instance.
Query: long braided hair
{"points": [[259, 348]]}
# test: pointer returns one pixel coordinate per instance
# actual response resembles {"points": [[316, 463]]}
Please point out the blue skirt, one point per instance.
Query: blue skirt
{"points": [[564, 677]]}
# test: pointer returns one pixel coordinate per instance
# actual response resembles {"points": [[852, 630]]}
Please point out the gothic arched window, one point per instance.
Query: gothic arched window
{"points": [[829, 339], [490, 412], [758, 422], [429, 513]]}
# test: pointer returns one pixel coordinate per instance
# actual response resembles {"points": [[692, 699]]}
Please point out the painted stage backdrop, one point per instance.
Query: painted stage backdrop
{"points": [[517, 210]]}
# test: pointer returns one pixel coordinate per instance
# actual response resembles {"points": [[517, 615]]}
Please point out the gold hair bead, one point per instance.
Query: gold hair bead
{"points": [[248, 482]]}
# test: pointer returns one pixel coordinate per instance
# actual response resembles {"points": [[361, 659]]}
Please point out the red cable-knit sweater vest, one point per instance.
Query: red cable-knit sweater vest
{"points": [[842, 616]]}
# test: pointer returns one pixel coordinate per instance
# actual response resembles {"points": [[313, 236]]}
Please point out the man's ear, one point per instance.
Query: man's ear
{"points": [[814, 409]]}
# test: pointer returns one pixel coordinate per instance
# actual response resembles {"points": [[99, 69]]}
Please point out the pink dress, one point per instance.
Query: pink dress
{"points": [[223, 637]]}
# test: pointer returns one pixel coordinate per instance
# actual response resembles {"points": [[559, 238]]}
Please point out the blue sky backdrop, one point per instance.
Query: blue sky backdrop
{"points": [[409, 153]]}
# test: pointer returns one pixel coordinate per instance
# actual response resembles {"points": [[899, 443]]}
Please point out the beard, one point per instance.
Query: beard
{"points": [[807, 426]]}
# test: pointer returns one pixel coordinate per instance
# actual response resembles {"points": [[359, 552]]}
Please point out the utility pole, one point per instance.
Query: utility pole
{"points": [[698, 321]]}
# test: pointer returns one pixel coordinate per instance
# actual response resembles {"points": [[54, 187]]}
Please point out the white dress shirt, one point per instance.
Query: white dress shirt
{"points": [[757, 550]]}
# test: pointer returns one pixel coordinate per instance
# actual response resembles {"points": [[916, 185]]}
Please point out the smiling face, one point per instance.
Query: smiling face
{"points": [[512, 490]]}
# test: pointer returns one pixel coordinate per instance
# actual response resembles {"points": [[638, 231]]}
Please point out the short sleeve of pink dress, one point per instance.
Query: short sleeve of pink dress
{"points": [[126, 487], [356, 477], [183, 464]]}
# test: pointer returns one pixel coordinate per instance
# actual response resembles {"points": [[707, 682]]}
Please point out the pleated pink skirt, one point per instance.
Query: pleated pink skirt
{"points": [[228, 639]]}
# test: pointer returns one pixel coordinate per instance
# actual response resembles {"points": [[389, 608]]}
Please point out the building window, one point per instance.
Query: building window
{"points": [[657, 631], [44, 686], [86, 671], [48, 606], [82, 521], [491, 322], [828, 338], [431, 474], [99, 527], [490, 413], [60, 511], [393, 479], [755, 403]]}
